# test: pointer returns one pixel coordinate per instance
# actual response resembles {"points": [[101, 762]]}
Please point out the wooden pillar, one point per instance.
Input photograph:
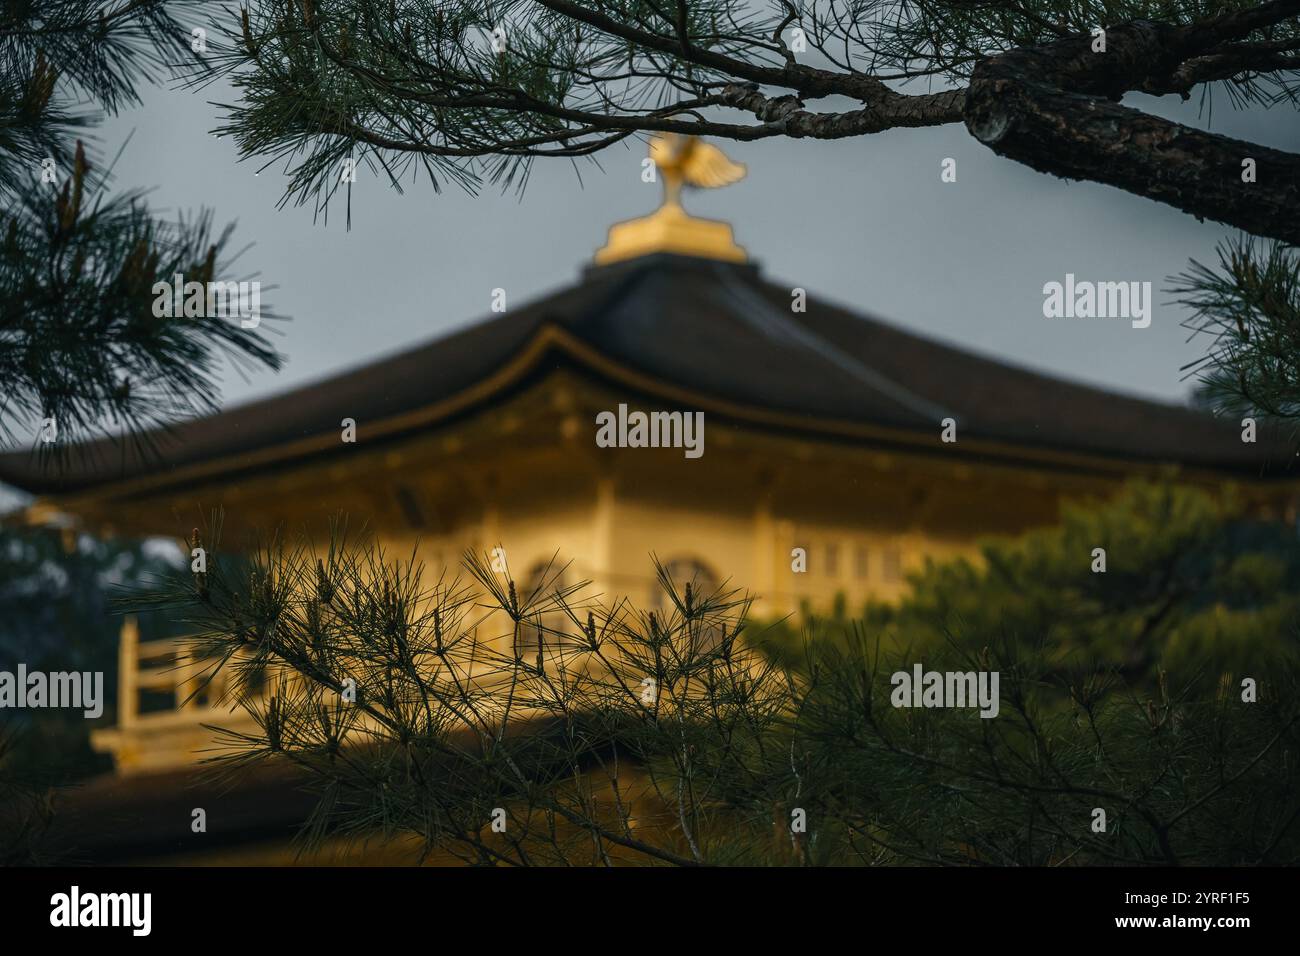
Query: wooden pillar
{"points": [[765, 555], [187, 669], [128, 664], [602, 537]]}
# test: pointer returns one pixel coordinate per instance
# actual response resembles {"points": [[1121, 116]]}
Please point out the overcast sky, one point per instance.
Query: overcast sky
{"points": [[865, 222]]}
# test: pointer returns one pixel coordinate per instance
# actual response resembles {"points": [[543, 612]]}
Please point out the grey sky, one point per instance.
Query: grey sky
{"points": [[866, 222]]}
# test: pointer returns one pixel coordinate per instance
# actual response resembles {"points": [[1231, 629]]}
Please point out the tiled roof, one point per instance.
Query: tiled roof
{"points": [[721, 331]]}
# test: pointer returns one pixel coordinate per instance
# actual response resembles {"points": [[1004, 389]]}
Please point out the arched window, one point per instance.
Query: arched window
{"points": [[892, 565], [547, 628], [692, 570], [704, 583]]}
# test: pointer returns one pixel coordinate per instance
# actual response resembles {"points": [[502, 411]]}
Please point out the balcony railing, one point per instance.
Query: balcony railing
{"points": [[164, 697]]}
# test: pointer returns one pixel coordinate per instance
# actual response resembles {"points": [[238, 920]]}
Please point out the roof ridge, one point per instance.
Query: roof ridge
{"points": [[756, 308], [621, 285], [1026, 367]]}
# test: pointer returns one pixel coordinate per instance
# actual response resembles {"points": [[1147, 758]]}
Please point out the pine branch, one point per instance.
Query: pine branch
{"points": [[469, 92], [55, 55], [81, 344], [1249, 308]]}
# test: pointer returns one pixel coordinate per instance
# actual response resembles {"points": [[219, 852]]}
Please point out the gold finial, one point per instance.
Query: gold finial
{"points": [[681, 160], [691, 160]]}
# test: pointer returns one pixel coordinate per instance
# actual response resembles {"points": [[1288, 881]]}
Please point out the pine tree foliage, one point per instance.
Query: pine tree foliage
{"points": [[474, 90], [594, 733], [58, 56], [79, 341], [1184, 778], [79, 344], [1194, 584], [1249, 309], [419, 717]]}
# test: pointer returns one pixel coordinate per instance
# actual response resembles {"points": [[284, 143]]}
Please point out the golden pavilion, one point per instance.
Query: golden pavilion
{"points": [[838, 451]]}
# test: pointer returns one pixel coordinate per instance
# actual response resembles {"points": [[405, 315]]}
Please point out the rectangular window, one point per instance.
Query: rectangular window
{"points": [[832, 560], [892, 565], [860, 563], [409, 501]]}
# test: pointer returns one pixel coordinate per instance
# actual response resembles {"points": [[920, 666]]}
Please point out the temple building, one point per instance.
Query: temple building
{"points": [[867, 446]]}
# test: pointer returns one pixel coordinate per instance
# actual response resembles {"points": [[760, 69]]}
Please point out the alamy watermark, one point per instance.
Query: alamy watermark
{"points": [[59, 689], [922, 688], [75, 908], [638, 429], [1098, 300], [233, 300]]}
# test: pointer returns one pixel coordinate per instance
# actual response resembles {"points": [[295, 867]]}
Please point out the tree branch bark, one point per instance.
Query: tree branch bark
{"points": [[1054, 108]]}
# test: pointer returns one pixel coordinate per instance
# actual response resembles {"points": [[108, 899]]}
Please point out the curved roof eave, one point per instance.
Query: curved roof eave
{"points": [[706, 336], [532, 357]]}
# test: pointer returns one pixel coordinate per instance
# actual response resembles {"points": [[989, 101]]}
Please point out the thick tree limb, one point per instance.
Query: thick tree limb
{"points": [[888, 112], [1054, 108]]}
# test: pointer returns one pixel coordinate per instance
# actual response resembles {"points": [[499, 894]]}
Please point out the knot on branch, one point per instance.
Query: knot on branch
{"points": [[747, 97]]}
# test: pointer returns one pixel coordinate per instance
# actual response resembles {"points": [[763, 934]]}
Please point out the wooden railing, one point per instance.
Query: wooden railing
{"points": [[164, 666], [148, 737]]}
